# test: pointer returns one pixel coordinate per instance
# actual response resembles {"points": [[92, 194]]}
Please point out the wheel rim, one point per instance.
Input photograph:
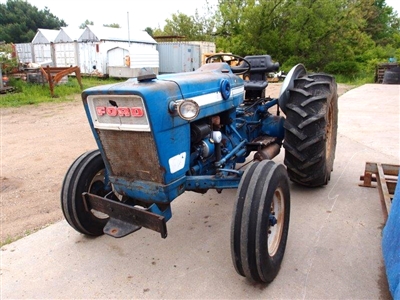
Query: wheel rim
{"points": [[329, 129], [275, 231], [96, 187]]}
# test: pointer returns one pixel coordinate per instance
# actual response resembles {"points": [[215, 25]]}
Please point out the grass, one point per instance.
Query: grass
{"points": [[356, 80], [9, 239], [32, 94]]}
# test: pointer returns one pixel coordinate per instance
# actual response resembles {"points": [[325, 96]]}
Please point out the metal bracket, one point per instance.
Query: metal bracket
{"points": [[124, 219]]}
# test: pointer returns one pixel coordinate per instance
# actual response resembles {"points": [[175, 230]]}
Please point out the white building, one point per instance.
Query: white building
{"points": [[117, 52], [66, 48], [42, 49], [96, 50]]}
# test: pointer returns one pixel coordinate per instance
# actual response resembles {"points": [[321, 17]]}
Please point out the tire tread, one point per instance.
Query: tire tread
{"points": [[312, 101]]}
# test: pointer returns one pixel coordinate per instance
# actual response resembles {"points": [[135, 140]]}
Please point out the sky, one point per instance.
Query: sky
{"points": [[395, 4], [142, 13]]}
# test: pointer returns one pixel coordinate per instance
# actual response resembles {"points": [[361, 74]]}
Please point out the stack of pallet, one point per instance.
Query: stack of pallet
{"points": [[381, 68]]}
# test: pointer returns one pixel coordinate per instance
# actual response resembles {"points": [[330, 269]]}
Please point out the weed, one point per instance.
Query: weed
{"points": [[9, 239]]}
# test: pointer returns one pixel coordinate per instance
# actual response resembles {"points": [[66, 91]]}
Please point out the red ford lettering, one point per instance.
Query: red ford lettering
{"points": [[111, 111], [123, 112], [101, 110], [137, 112]]}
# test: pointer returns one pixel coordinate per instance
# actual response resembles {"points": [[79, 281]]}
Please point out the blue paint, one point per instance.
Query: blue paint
{"points": [[167, 213], [148, 191], [189, 165], [225, 89], [391, 245]]}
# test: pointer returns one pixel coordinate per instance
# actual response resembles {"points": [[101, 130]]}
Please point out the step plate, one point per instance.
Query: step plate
{"points": [[124, 219]]}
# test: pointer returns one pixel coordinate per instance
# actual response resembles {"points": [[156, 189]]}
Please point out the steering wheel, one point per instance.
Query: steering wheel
{"points": [[243, 66]]}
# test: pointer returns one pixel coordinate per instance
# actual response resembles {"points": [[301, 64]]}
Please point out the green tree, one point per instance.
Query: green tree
{"points": [[7, 61], [383, 23], [113, 25], [182, 25], [205, 23], [19, 21], [149, 30], [343, 36], [87, 22], [314, 32], [194, 28]]}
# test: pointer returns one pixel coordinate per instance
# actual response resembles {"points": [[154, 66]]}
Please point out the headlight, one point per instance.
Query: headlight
{"points": [[188, 109]]}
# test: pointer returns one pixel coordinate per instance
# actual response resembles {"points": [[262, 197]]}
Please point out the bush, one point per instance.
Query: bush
{"points": [[8, 61], [347, 68]]}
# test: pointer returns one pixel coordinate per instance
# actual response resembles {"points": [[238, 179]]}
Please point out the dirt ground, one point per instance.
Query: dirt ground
{"points": [[38, 144]]}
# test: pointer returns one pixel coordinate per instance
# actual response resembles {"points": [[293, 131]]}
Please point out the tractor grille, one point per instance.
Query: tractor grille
{"points": [[132, 155]]}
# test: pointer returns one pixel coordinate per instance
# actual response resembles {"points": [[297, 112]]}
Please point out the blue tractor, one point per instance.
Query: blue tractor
{"points": [[213, 128]]}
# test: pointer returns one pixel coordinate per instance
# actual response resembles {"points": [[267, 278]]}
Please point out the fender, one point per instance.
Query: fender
{"points": [[297, 71]]}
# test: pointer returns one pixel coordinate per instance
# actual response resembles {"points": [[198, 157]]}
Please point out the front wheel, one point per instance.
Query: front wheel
{"points": [[311, 129], [260, 221], [86, 174]]}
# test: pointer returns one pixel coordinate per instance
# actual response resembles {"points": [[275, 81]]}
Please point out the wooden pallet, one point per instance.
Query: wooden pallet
{"points": [[7, 89], [385, 176]]}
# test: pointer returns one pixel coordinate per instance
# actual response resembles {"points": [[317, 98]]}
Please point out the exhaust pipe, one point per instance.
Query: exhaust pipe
{"points": [[268, 152]]}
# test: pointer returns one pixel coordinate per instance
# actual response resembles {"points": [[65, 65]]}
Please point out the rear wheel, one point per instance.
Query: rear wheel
{"points": [[86, 174], [392, 76], [311, 129], [260, 221]]}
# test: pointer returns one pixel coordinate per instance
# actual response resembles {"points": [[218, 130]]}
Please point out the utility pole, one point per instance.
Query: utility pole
{"points": [[129, 34]]}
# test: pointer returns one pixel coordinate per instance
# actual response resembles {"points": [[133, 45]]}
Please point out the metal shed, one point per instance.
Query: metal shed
{"points": [[25, 52], [206, 49], [42, 45], [66, 48], [68, 34], [112, 50], [176, 57]]}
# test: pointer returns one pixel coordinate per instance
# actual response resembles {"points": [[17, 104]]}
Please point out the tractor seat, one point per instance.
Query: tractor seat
{"points": [[260, 66]]}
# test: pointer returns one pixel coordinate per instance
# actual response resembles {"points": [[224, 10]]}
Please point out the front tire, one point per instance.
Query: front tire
{"points": [[311, 129], [260, 221], [86, 174]]}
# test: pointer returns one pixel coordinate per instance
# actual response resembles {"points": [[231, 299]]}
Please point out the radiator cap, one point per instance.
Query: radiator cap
{"points": [[146, 75]]}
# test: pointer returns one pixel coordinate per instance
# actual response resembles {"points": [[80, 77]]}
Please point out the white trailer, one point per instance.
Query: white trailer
{"points": [[115, 52]]}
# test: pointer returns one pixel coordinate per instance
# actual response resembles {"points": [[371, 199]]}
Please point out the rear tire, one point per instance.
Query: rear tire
{"points": [[392, 76], [260, 221], [311, 129], [86, 174]]}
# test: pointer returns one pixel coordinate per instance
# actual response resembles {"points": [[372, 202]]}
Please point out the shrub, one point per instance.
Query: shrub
{"points": [[347, 68]]}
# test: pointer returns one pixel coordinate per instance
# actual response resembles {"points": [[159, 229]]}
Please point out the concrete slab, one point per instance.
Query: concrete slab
{"points": [[333, 251]]}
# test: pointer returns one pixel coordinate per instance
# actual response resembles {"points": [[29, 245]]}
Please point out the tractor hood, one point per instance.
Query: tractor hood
{"points": [[144, 142]]}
